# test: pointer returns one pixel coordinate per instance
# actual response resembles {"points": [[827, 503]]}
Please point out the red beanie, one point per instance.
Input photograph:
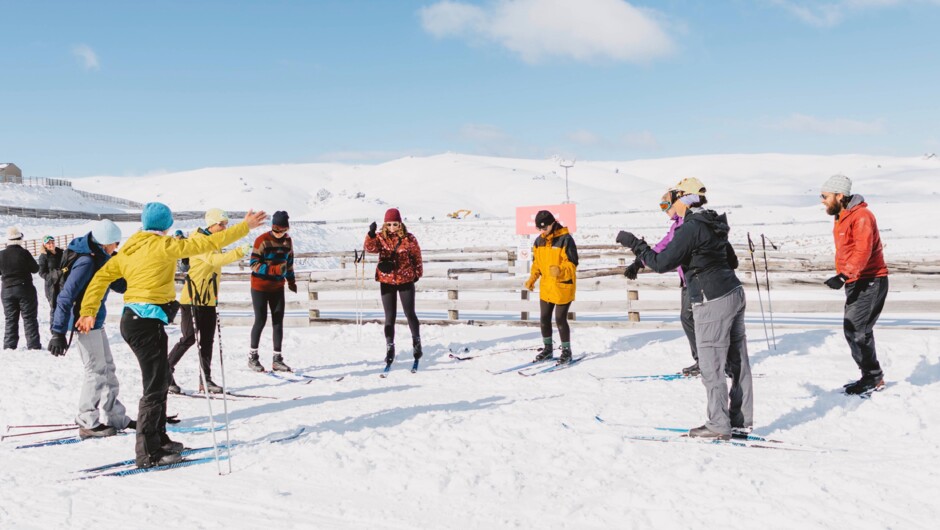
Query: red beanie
{"points": [[392, 214]]}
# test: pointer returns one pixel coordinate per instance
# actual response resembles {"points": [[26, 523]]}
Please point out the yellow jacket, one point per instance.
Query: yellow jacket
{"points": [[555, 260], [148, 262], [204, 272]]}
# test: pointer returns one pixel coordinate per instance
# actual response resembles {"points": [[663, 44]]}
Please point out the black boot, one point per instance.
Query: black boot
{"points": [[865, 386], [213, 388], [389, 353], [565, 356], [278, 364], [544, 355], [160, 458], [692, 371], [253, 361], [418, 352], [173, 388]]}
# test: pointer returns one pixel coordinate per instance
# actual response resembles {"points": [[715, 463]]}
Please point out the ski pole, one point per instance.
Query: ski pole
{"points": [[202, 375], [38, 426], [750, 246], [770, 306], [4, 437], [228, 438]]}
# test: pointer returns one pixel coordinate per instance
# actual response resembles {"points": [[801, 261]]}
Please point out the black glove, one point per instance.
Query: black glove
{"points": [[58, 345], [372, 228], [627, 239], [292, 286], [837, 281], [632, 269]]}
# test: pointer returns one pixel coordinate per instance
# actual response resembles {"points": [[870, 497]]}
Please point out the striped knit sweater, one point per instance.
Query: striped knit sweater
{"points": [[272, 262]]}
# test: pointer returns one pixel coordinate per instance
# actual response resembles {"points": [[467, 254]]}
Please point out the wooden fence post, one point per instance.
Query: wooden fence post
{"points": [[452, 314], [525, 296], [312, 295], [632, 294]]}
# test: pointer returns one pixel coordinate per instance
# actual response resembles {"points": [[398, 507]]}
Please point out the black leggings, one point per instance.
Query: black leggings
{"points": [[561, 320], [406, 292], [260, 301]]}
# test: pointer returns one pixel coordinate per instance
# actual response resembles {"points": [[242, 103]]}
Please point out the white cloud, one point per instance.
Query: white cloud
{"points": [[87, 56], [832, 127], [535, 30], [831, 13]]}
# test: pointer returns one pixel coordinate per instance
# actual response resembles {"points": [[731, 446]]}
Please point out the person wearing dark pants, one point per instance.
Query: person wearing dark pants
{"points": [[148, 263], [18, 293], [860, 267], [400, 266], [147, 339], [685, 310], [199, 299], [390, 295], [50, 270], [272, 265], [195, 320], [702, 249], [555, 261]]}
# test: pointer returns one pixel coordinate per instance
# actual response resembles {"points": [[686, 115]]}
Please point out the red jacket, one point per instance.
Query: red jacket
{"points": [[858, 243], [407, 257]]}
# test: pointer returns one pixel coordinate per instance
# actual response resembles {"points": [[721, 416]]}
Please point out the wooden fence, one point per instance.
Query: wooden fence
{"points": [[484, 281]]}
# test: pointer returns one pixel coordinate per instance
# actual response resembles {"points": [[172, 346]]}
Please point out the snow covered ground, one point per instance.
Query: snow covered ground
{"points": [[455, 446]]}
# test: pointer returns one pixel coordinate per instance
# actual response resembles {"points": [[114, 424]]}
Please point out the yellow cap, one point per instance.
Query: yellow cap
{"points": [[690, 186], [215, 216]]}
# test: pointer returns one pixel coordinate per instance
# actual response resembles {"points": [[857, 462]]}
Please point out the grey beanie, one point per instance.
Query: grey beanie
{"points": [[838, 184]]}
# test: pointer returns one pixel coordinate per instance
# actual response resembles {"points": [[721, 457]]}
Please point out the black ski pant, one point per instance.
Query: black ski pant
{"points": [[864, 300], [390, 295], [261, 301], [20, 300], [148, 341], [198, 321], [688, 321], [561, 320]]}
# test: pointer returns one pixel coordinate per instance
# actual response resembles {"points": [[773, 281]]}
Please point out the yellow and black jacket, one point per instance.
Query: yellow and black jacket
{"points": [[555, 260]]}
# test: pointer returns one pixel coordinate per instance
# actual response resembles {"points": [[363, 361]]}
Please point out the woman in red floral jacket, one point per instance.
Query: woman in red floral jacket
{"points": [[399, 268]]}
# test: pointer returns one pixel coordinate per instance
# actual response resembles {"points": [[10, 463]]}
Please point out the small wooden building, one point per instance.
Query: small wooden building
{"points": [[10, 173]]}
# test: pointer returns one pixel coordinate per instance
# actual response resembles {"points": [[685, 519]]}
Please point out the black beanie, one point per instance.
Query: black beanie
{"points": [[280, 219], [544, 218]]}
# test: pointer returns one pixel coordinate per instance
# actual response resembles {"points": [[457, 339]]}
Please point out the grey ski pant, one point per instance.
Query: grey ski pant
{"points": [[721, 339], [100, 386]]}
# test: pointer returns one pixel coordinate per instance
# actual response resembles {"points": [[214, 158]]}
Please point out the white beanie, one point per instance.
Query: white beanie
{"points": [[14, 234], [838, 184], [106, 232]]}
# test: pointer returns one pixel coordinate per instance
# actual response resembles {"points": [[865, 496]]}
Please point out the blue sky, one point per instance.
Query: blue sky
{"points": [[127, 88]]}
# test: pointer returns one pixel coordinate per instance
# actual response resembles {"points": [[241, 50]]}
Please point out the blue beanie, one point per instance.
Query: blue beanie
{"points": [[156, 216], [106, 232]]}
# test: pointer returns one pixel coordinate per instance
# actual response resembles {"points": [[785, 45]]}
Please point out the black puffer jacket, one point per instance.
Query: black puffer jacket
{"points": [[17, 266], [701, 247], [50, 269]]}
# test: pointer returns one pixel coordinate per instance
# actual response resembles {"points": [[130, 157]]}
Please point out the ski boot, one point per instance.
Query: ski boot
{"points": [[565, 356], [173, 388], [160, 458], [418, 352], [544, 355], [389, 353], [253, 361], [168, 445], [865, 386], [691, 371], [277, 364], [213, 388], [101, 431]]}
